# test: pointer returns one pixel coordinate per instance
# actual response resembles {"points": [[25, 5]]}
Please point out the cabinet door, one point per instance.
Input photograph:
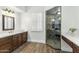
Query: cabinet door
{"points": [[24, 37], [6, 44], [15, 41], [20, 39]]}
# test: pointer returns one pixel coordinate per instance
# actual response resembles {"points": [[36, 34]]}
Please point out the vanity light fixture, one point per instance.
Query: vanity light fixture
{"points": [[8, 10]]}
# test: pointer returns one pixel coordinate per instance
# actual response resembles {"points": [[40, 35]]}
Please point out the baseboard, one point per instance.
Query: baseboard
{"points": [[66, 51], [36, 41], [53, 47]]}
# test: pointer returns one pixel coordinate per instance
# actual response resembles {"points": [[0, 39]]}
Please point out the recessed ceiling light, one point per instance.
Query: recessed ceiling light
{"points": [[58, 13]]}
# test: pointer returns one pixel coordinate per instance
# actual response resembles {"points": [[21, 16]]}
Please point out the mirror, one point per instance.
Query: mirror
{"points": [[8, 22]]}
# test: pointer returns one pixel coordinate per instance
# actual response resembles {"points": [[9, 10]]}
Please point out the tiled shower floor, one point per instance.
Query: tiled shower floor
{"points": [[52, 39], [54, 43]]}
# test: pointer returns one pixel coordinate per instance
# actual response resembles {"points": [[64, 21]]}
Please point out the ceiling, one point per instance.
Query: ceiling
{"points": [[54, 10], [34, 9], [30, 9]]}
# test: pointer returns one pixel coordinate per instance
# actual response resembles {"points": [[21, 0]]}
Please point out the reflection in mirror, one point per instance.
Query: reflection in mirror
{"points": [[8, 22]]}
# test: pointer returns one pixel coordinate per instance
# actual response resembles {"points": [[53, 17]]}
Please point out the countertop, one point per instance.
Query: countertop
{"points": [[72, 37], [9, 33]]}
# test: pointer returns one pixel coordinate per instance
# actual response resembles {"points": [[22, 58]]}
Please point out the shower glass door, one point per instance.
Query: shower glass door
{"points": [[53, 27]]}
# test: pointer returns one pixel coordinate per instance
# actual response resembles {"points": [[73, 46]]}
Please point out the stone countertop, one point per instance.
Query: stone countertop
{"points": [[72, 37], [9, 33]]}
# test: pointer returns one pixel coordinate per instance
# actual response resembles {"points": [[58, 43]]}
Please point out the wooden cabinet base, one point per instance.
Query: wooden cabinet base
{"points": [[71, 44], [10, 43], [5, 44]]}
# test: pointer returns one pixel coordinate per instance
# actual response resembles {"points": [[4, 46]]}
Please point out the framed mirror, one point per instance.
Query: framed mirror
{"points": [[8, 22]]}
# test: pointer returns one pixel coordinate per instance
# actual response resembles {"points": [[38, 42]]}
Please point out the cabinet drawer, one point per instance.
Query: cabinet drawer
{"points": [[5, 40], [10, 43], [24, 35], [20, 40], [15, 41], [6, 47], [15, 36], [5, 44]]}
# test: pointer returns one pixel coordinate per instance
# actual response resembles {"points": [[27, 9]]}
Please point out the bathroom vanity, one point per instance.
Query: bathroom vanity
{"points": [[72, 41], [8, 43]]}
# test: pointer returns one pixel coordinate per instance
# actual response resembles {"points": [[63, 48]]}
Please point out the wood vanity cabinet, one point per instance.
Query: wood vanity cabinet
{"points": [[15, 41], [6, 44], [24, 37], [10, 43], [67, 41], [71, 44], [19, 39]]}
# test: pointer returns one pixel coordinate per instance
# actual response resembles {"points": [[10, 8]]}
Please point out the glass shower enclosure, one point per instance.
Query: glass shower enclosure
{"points": [[53, 27]]}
